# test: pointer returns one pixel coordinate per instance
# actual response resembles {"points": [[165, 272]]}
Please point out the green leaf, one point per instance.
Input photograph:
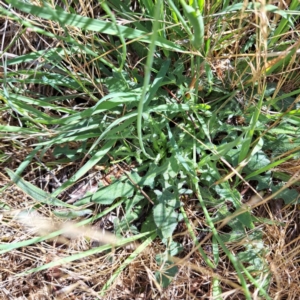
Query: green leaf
{"points": [[71, 214], [234, 236], [174, 248], [185, 162], [258, 161], [246, 220], [226, 193], [149, 226], [117, 83], [165, 276], [253, 256], [167, 198], [71, 154], [167, 272], [116, 190], [153, 172], [288, 195], [166, 219], [263, 181]]}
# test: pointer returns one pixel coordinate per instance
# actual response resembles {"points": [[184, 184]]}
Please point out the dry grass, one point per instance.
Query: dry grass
{"points": [[84, 278]]}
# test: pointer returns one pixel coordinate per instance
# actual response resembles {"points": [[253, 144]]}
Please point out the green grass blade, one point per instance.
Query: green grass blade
{"points": [[84, 254], [192, 234], [34, 192], [284, 25], [89, 164], [148, 67], [250, 132], [85, 23], [127, 261], [18, 130], [232, 258], [268, 167], [180, 17], [120, 34], [11, 246]]}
